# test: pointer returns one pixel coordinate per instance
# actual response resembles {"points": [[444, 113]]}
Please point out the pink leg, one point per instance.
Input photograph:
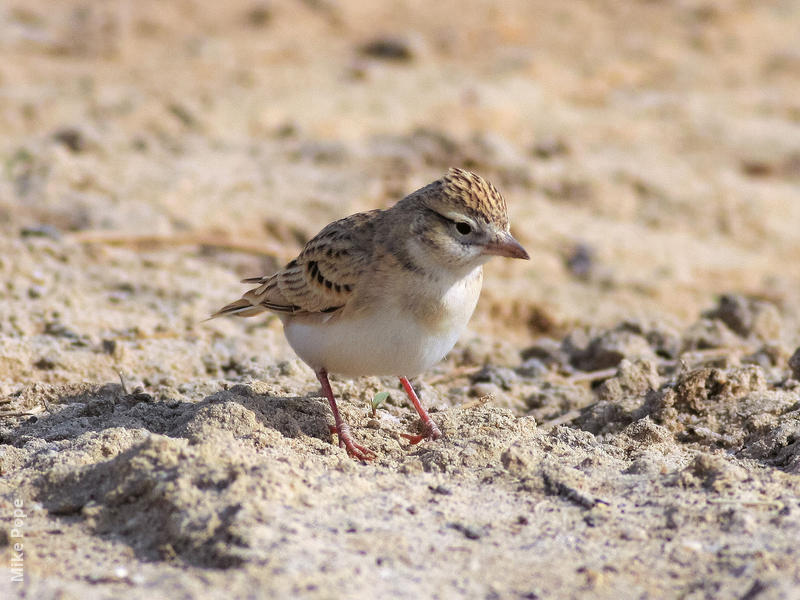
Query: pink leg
{"points": [[429, 429], [342, 429]]}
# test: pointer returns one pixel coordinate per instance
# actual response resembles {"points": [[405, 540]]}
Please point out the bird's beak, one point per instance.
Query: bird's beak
{"points": [[505, 245]]}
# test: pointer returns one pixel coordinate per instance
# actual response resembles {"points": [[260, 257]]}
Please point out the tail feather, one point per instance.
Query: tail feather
{"points": [[240, 308]]}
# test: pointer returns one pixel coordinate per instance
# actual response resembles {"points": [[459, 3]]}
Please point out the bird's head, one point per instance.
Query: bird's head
{"points": [[462, 221]]}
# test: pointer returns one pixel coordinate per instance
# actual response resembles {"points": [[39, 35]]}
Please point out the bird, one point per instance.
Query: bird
{"points": [[388, 292]]}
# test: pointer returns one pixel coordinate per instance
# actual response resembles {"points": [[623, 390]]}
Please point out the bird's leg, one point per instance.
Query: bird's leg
{"points": [[342, 429], [429, 429]]}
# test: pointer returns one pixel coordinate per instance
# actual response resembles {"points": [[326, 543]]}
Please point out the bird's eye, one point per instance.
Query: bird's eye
{"points": [[463, 228]]}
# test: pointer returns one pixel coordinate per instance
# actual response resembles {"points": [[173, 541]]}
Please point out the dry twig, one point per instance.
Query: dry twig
{"points": [[214, 240]]}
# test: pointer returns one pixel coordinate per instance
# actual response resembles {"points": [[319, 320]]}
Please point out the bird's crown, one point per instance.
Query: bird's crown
{"points": [[469, 193]]}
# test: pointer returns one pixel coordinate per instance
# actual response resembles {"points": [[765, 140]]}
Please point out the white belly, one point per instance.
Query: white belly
{"points": [[385, 341]]}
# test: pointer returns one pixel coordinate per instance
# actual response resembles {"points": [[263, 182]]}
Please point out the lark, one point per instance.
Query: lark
{"points": [[388, 292]]}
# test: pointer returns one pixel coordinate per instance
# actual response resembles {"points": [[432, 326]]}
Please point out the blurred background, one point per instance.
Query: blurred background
{"points": [[649, 151]]}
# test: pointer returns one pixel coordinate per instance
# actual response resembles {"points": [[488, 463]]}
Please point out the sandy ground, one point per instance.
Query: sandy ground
{"points": [[621, 421]]}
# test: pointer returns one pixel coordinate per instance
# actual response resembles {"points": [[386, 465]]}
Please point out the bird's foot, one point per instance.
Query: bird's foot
{"points": [[429, 432], [347, 442]]}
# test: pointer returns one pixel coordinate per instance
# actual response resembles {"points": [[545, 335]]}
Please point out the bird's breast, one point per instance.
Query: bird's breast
{"points": [[404, 334], [445, 305]]}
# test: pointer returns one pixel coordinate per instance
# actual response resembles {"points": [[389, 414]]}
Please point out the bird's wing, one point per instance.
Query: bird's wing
{"points": [[322, 279]]}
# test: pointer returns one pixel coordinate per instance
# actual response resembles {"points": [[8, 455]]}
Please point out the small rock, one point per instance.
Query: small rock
{"points": [[767, 356], [580, 261], [476, 351], [603, 416], [663, 339], [780, 446], [646, 431], [548, 147], [471, 533], [637, 534], [546, 350], [259, 15], [521, 460], [794, 364], [747, 317], [287, 129], [499, 376], [633, 379], [45, 364], [211, 364], [757, 168], [673, 517], [388, 48], [736, 520], [650, 464], [46, 231], [551, 400], [706, 334], [707, 390], [533, 367], [183, 114], [56, 329], [609, 348], [713, 472], [36, 291], [72, 138], [569, 191]]}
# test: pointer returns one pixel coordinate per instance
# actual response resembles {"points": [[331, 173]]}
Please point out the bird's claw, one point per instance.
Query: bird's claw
{"points": [[429, 432], [347, 442]]}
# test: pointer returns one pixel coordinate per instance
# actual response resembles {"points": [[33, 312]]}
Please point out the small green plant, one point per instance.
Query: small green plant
{"points": [[377, 400]]}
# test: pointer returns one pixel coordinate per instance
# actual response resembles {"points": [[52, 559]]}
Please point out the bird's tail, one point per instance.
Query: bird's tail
{"points": [[240, 308]]}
